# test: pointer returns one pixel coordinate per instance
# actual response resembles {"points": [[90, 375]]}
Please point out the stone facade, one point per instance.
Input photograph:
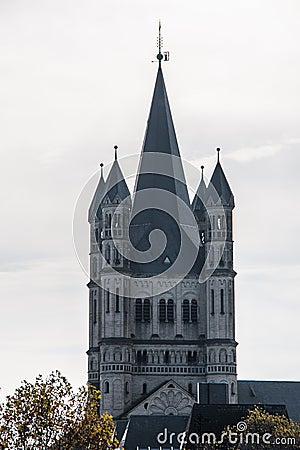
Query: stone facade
{"points": [[139, 341]]}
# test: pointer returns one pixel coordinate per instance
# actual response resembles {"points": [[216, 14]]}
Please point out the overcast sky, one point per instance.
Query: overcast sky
{"points": [[76, 79]]}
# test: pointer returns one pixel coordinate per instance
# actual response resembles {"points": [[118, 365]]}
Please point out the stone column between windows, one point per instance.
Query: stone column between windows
{"points": [[121, 309], [178, 296], [99, 313], [154, 315], [105, 327]]}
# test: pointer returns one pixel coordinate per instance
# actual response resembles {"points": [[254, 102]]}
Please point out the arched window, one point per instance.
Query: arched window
{"points": [[185, 311], [213, 222], [167, 356], [212, 356], [144, 357], [233, 356], [190, 388], [126, 388], [107, 253], [117, 300], [223, 356], [191, 357], [222, 302], [117, 220], [138, 310], [194, 311], [108, 224], [106, 387], [144, 388], [146, 310], [106, 220], [170, 310], [117, 259], [162, 310], [220, 222], [232, 389], [94, 267], [139, 356], [142, 310], [95, 310], [212, 299], [107, 301]]}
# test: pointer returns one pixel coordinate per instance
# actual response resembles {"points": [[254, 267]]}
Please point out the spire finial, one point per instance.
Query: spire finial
{"points": [[116, 153], [202, 171], [101, 170], [218, 150], [159, 44], [161, 56]]}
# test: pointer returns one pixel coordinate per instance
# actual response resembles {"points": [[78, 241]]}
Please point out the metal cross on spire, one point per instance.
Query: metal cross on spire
{"points": [[161, 56]]}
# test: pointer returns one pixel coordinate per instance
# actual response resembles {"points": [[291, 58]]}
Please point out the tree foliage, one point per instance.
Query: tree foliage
{"points": [[48, 414], [262, 431]]}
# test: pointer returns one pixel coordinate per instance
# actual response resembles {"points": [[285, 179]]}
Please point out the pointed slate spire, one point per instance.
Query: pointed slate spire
{"points": [[98, 197], [161, 181], [200, 196], [116, 185], [160, 163], [221, 186], [160, 135]]}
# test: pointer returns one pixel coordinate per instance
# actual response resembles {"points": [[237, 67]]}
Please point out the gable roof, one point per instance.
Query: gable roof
{"points": [[143, 432], [167, 399]]}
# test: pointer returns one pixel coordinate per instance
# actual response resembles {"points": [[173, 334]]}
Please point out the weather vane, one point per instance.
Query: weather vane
{"points": [[161, 56]]}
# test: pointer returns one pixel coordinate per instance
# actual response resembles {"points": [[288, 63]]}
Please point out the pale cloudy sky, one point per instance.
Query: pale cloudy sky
{"points": [[76, 79]]}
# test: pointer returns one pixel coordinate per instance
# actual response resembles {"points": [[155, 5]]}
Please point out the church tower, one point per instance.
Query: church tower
{"points": [[161, 308]]}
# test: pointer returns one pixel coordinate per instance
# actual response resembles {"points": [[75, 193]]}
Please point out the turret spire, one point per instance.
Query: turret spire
{"points": [[116, 185], [200, 196], [95, 206], [219, 189]]}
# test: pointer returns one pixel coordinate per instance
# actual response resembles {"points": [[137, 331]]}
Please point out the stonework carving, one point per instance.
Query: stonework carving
{"points": [[170, 399], [170, 402]]}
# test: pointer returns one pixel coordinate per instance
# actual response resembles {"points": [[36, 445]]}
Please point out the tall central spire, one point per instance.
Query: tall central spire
{"points": [[160, 180], [160, 164], [160, 134]]}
